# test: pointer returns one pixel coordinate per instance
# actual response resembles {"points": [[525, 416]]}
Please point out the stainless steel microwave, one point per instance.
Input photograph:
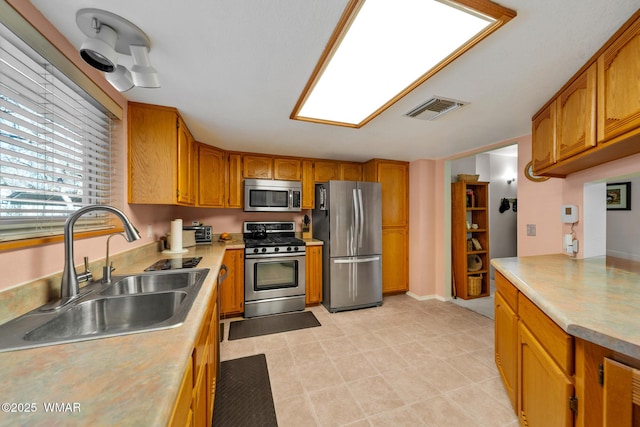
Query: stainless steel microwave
{"points": [[264, 195]]}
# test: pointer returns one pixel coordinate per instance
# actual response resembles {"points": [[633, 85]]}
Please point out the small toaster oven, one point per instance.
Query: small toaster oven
{"points": [[203, 233]]}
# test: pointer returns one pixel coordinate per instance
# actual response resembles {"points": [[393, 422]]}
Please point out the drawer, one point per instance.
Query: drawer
{"points": [[555, 341], [508, 292]]}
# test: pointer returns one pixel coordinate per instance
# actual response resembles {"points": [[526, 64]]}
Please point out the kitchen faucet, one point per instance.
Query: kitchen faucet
{"points": [[69, 287], [108, 267]]}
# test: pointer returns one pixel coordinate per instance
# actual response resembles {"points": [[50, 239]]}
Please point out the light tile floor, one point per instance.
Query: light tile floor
{"points": [[407, 363]]}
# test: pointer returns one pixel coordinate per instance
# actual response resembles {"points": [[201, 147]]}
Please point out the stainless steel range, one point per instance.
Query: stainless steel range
{"points": [[274, 269]]}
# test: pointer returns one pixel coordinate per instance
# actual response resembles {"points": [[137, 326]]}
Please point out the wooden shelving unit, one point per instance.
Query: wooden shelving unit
{"points": [[469, 207]]}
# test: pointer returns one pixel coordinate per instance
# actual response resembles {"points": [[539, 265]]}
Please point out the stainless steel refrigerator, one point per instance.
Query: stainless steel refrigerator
{"points": [[348, 219]]}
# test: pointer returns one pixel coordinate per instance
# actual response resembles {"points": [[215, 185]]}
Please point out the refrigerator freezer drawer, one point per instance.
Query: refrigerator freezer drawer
{"points": [[354, 282]]}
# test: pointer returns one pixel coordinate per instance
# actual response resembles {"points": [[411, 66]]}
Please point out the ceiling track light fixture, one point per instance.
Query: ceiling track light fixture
{"points": [[109, 35]]}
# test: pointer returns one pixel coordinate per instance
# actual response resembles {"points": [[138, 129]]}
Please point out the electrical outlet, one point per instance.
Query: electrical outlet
{"points": [[531, 229], [149, 230]]}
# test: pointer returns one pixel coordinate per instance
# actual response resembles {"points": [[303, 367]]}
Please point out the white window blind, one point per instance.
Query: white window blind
{"points": [[55, 147]]}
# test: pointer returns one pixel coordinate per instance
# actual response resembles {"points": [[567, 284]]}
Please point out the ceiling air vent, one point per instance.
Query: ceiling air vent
{"points": [[434, 108]]}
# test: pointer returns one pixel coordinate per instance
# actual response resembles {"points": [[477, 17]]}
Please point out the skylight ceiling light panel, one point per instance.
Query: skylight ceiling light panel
{"points": [[387, 50]]}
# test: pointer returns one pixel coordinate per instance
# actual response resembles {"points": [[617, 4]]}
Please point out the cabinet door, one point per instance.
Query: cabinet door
{"points": [[313, 270], [232, 288], [211, 176], [621, 395], [543, 388], [186, 166], [308, 185], [394, 179], [350, 171], [200, 402], [326, 170], [257, 167], [287, 169], [153, 161], [234, 180], [544, 138], [576, 116], [619, 86], [395, 258], [506, 346], [212, 372]]}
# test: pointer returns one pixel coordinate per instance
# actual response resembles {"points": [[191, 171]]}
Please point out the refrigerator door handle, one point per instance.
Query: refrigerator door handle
{"points": [[356, 260], [356, 212], [361, 230]]}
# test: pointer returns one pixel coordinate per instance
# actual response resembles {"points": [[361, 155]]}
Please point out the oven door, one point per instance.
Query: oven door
{"points": [[273, 276]]}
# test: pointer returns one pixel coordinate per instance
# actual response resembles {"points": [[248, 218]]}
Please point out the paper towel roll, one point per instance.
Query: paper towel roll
{"points": [[176, 235], [175, 238]]}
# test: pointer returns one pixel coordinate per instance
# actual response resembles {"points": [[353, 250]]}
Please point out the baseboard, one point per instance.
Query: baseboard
{"points": [[428, 297], [623, 255]]}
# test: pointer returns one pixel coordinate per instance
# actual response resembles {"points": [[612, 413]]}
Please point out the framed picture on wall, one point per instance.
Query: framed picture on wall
{"points": [[619, 196]]}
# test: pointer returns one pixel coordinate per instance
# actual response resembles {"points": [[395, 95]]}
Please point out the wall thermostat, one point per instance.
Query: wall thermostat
{"points": [[569, 214]]}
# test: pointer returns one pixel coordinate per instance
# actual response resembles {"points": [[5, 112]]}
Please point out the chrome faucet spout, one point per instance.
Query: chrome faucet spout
{"points": [[69, 287]]}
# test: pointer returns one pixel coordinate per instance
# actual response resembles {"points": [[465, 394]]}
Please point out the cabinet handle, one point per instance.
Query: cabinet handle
{"points": [[222, 276]]}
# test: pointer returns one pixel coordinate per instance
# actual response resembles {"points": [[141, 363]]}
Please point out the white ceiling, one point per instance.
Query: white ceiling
{"points": [[235, 69]]}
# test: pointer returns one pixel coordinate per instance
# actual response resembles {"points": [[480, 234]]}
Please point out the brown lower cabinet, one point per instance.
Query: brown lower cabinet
{"points": [[535, 359], [195, 402], [555, 379], [313, 271], [232, 288]]}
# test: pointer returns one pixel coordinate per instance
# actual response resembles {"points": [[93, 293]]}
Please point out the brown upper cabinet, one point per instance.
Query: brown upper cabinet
{"points": [[167, 166], [211, 176], [595, 117], [544, 138], [619, 86], [162, 156], [350, 171], [234, 183], [308, 185], [255, 166], [576, 114], [326, 170], [287, 169]]}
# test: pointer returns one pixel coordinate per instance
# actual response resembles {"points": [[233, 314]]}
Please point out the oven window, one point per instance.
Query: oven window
{"points": [[275, 274], [269, 198]]}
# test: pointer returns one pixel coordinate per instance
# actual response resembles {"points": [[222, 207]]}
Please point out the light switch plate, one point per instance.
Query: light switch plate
{"points": [[531, 229]]}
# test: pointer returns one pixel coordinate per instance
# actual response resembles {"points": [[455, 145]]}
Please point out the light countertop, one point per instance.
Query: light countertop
{"points": [[588, 298], [126, 380]]}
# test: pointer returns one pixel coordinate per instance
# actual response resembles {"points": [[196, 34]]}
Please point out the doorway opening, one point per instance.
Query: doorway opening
{"points": [[499, 167]]}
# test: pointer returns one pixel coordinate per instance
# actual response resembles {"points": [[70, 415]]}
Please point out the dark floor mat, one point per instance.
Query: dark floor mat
{"points": [[272, 324], [243, 394]]}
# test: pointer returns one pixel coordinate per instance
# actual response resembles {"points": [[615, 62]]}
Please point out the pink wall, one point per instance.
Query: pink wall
{"points": [[538, 203], [231, 220], [427, 259]]}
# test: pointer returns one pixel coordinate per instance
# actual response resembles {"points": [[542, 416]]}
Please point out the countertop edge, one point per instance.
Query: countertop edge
{"points": [[563, 318]]}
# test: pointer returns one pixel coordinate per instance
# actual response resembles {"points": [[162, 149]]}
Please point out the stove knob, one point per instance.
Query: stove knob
{"points": [[276, 249], [295, 249], [255, 251], [264, 250], [289, 249]]}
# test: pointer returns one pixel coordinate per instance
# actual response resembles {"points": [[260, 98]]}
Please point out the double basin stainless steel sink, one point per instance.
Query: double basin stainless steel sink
{"points": [[130, 304]]}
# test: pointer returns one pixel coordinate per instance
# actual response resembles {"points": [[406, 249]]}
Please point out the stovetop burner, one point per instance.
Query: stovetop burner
{"points": [[278, 237], [174, 263]]}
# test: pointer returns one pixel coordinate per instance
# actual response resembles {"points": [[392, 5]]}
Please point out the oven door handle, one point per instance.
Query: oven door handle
{"points": [[278, 255]]}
